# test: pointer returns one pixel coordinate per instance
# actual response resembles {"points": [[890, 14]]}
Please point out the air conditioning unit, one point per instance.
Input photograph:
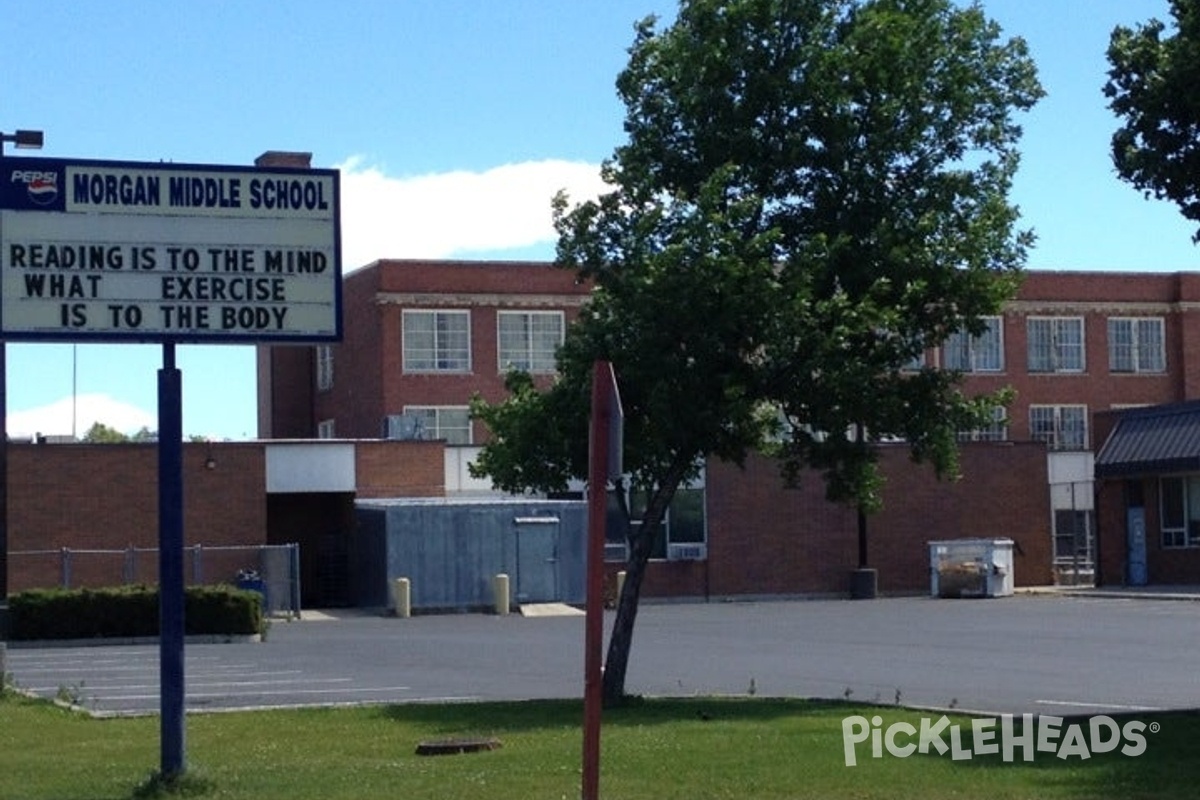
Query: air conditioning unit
{"points": [[687, 552], [406, 427], [616, 552]]}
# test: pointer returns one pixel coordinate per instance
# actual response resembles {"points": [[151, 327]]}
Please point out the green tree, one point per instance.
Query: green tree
{"points": [[813, 192], [144, 434], [1154, 86], [100, 433]]}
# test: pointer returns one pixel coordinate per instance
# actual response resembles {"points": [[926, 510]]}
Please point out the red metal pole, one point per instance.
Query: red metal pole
{"points": [[602, 393]]}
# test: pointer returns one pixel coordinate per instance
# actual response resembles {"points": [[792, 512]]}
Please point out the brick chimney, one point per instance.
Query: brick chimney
{"points": [[284, 159]]}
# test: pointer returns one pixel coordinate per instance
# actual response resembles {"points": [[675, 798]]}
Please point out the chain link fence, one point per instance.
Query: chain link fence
{"points": [[273, 570]]}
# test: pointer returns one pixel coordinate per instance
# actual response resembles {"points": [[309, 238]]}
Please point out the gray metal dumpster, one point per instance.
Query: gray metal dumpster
{"points": [[971, 568]]}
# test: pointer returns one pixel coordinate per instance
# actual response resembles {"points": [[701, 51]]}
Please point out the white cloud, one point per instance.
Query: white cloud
{"points": [[55, 419], [454, 213]]}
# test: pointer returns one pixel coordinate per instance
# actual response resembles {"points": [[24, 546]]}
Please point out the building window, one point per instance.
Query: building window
{"points": [[1136, 345], [1055, 344], [1180, 511], [528, 340], [437, 341], [1060, 427], [982, 353], [452, 423], [683, 535], [324, 356], [325, 429], [997, 431]]}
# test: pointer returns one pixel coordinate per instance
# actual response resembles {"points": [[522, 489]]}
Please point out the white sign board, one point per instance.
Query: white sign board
{"points": [[118, 251]]}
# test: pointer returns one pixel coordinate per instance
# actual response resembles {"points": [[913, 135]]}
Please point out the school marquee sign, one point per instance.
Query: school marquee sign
{"points": [[149, 252]]}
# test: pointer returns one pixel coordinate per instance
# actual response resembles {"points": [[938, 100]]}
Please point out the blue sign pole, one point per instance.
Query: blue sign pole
{"points": [[170, 563]]}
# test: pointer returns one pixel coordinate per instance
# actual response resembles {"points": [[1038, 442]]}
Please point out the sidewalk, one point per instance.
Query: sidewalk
{"points": [[1162, 592]]}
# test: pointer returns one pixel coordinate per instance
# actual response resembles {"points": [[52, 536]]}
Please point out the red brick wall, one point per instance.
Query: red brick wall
{"points": [[1096, 296], [369, 381], [400, 469], [286, 377], [106, 496], [355, 402], [765, 539]]}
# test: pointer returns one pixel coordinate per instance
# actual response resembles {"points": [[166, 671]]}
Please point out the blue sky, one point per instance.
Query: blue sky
{"points": [[453, 122]]}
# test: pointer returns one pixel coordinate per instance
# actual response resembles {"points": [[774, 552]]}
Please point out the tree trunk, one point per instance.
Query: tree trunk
{"points": [[616, 662]]}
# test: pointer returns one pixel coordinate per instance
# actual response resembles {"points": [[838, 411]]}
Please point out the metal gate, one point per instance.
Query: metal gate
{"points": [[1074, 521]]}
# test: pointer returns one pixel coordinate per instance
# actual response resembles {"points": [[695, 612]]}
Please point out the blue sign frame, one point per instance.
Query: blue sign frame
{"points": [[124, 251]]}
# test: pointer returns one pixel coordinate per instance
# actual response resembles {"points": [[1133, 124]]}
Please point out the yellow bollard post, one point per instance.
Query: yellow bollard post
{"points": [[402, 597], [620, 586], [500, 593]]}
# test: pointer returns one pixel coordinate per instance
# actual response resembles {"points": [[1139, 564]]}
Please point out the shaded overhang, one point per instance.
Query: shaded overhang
{"points": [[1152, 441]]}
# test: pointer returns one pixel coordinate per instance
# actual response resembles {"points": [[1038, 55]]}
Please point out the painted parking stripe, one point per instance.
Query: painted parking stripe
{"points": [[96, 688], [192, 696]]}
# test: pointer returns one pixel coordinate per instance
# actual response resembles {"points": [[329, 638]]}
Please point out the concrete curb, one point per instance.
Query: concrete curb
{"points": [[1116, 593]]}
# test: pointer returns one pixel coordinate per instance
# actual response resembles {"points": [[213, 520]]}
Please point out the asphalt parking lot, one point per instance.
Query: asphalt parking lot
{"points": [[1040, 654]]}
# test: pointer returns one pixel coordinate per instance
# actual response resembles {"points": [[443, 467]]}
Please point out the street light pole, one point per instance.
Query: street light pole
{"points": [[22, 139]]}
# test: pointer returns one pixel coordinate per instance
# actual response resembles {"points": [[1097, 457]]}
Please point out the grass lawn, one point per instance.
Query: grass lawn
{"points": [[660, 749]]}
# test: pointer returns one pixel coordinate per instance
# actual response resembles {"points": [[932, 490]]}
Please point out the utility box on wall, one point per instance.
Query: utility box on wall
{"points": [[971, 568]]}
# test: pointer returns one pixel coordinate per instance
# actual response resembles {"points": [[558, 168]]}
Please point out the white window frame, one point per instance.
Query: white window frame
{"points": [[635, 499], [442, 356], [983, 353], [1137, 345], [1058, 436], [530, 359], [435, 425], [1188, 536], [1051, 345], [324, 359]]}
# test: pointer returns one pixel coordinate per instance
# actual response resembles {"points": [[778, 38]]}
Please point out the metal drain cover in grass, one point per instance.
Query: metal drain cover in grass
{"points": [[449, 747]]}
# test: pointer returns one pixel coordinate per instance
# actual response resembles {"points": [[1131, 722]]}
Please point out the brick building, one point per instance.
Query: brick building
{"points": [[422, 337], [1148, 495], [1074, 347], [87, 514], [1078, 349]]}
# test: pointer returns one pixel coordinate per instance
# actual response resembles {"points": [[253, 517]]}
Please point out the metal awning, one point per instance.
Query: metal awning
{"points": [[1152, 441]]}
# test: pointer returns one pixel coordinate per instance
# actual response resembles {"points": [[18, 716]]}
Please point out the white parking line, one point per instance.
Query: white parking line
{"points": [[191, 696], [96, 688]]}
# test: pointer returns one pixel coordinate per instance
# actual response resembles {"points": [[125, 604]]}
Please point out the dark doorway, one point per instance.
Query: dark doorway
{"points": [[321, 523]]}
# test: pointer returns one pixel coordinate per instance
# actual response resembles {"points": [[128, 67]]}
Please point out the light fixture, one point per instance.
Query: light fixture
{"points": [[24, 140]]}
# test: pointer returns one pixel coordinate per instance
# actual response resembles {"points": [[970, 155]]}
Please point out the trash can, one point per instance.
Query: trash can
{"points": [[971, 568], [254, 584]]}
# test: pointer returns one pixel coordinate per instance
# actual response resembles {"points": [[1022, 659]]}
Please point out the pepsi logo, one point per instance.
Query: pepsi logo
{"points": [[41, 186]]}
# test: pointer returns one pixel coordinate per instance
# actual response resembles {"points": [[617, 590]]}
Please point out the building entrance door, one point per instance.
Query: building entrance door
{"points": [[537, 559], [1135, 525]]}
